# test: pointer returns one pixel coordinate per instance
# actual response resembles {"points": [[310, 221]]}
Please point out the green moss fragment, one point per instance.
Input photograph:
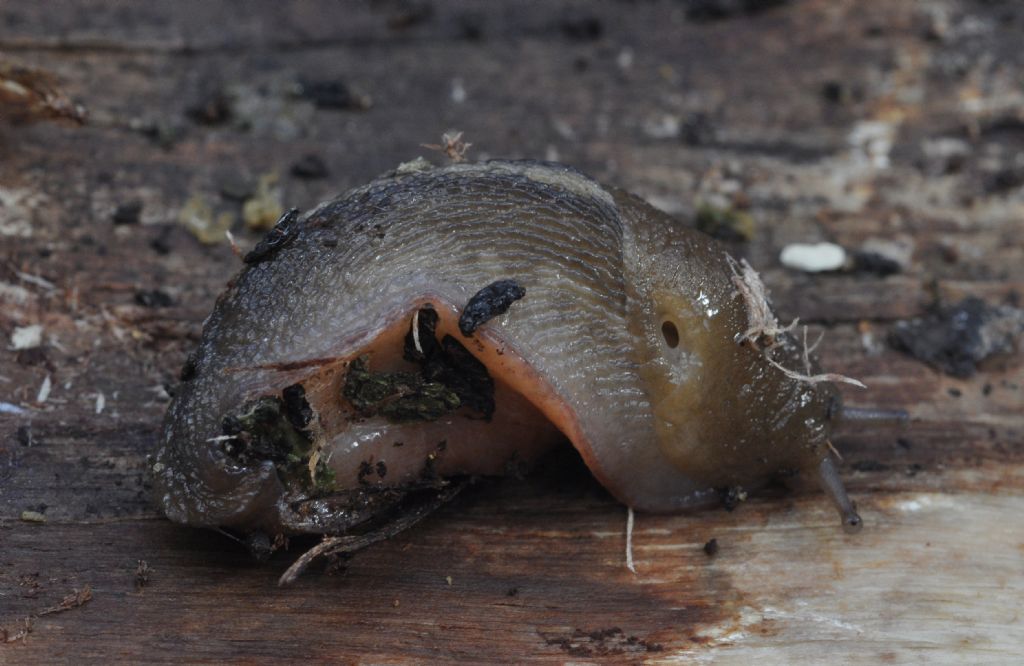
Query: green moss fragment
{"points": [[261, 430], [324, 478], [728, 224], [400, 397]]}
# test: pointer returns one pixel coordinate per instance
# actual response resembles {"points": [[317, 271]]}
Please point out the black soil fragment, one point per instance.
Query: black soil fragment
{"points": [[296, 407], [153, 298], [493, 300], [161, 244], [335, 95], [581, 27], [35, 356], [283, 233], [310, 167], [451, 364], [697, 130], [716, 10], [463, 373], [259, 545], [872, 262], [127, 213], [956, 338], [711, 548]]}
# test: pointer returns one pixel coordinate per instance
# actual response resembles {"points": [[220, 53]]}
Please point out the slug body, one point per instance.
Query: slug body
{"points": [[333, 379]]}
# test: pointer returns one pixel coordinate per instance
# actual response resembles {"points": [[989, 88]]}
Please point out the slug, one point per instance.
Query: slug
{"points": [[447, 323]]}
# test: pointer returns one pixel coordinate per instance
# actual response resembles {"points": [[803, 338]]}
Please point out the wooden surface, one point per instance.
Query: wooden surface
{"points": [[774, 106]]}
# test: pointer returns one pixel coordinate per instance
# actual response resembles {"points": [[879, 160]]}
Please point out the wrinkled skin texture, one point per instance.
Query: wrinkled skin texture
{"points": [[625, 341]]}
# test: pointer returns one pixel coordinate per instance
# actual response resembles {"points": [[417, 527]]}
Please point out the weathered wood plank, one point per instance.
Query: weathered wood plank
{"points": [[823, 120]]}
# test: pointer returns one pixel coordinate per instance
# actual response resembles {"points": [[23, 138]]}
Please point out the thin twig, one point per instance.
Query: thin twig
{"points": [[339, 545], [416, 331], [814, 379], [629, 540]]}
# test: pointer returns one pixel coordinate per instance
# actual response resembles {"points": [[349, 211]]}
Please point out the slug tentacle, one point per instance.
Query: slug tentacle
{"points": [[833, 487], [872, 416]]}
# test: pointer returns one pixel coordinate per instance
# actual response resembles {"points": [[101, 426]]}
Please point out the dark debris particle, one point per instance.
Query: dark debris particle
{"points": [[731, 496], [296, 407], [872, 262], [704, 11], [833, 92], [955, 392], [493, 300], [471, 27], [711, 548], [153, 298], [127, 213], [954, 339], [310, 167], [697, 129], [581, 27], [365, 470], [450, 364], [161, 244], [913, 469], [334, 95], [381, 468], [35, 356], [259, 545], [24, 435], [512, 592], [1003, 180], [281, 235]]}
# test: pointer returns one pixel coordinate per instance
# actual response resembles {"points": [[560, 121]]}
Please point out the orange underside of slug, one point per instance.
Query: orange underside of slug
{"points": [[528, 408]]}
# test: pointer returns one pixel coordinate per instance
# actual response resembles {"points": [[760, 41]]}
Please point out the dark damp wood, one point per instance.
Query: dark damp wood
{"points": [[757, 113]]}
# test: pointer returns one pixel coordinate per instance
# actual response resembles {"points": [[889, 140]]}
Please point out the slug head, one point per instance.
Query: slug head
{"points": [[723, 413]]}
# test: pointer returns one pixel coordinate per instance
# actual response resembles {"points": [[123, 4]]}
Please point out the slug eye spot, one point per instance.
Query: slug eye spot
{"points": [[670, 333]]}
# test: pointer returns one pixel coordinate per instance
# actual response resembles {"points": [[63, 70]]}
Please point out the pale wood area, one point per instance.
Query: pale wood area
{"points": [[771, 106]]}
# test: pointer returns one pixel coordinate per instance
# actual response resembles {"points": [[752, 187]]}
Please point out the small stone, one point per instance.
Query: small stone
{"points": [[813, 257], [26, 337], [33, 517]]}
